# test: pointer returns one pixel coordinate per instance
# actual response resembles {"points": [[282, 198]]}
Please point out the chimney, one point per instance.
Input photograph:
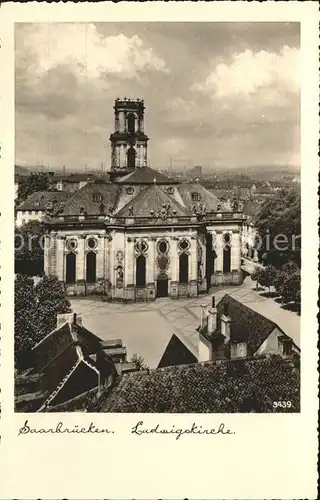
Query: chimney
{"points": [[72, 318], [204, 316], [226, 323], [212, 317]]}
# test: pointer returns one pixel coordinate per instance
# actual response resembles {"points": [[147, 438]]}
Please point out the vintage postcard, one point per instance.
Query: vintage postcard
{"points": [[159, 250]]}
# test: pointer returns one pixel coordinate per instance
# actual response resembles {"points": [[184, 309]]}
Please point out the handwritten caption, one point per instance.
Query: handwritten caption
{"points": [[138, 429]]}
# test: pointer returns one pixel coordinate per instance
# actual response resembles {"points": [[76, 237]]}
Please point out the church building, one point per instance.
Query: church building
{"points": [[142, 235]]}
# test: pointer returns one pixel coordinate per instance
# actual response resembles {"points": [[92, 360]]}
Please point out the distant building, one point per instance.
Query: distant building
{"points": [[70, 183], [196, 171], [234, 330], [38, 204]]}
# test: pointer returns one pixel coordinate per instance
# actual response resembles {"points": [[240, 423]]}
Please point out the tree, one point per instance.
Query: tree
{"points": [[255, 276], [267, 275], [280, 215], [31, 183], [51, 300], [24, 318], [29, 248], [138, 361], [288, 283], [36, 309], [29, 240]]}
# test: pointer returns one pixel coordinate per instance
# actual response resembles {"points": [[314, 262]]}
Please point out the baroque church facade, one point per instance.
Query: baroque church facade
{"points": [[142, 235]]}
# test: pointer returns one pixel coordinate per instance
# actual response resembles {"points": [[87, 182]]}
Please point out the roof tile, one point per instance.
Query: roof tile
{"points": [[228, 386]]}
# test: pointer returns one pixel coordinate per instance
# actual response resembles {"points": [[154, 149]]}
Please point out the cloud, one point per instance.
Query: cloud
{"points": [[214, 94], [86, 51], [249, 72]]}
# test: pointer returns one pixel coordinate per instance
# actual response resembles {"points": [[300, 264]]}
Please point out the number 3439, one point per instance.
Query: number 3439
{"points": [[282, 404]]}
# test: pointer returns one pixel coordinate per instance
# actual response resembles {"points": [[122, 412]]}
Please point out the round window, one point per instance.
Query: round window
{"points": [[92, 243], [227, 238], [163, 246], [184, 244], [72, 244]]}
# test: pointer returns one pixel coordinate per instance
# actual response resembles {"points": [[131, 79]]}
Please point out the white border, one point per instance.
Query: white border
{"points": [[270, 456]]}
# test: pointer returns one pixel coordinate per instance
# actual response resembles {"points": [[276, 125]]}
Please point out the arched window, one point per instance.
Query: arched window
{"points": [[91, 267], [131, 158], [71, 267], [184, 268], [131, 123], [141, 271], [227, 259]]}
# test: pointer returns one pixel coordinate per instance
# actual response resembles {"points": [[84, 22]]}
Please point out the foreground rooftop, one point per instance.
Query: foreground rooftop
{"points": [[226, 386]]}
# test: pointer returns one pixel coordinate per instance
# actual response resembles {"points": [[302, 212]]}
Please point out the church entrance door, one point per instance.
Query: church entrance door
{"points": [[162, 286]]}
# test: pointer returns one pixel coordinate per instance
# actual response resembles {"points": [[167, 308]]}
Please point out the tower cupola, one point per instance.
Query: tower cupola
{"points": [[128, 141]]}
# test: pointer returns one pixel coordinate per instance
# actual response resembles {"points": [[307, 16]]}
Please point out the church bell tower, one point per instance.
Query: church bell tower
{"points": [[128, 141]]}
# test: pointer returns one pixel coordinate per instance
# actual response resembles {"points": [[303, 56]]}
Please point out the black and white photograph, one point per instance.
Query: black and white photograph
{"points": [[157, 217]]}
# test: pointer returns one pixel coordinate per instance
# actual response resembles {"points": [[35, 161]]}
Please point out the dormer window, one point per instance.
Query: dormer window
{"points": [[97, 197], [285, 345], [196, 196], [129, 190], [170, 190]]}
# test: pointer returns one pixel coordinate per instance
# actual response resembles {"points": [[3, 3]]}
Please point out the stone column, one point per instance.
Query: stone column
{"points": [[106, 263], [151, 260], [138, 157], [112, 272], [235, 251], [123, 156], [193, 259], [100, 258], [193, 271], [141, 123], [117, 122], [61, 258], [81, 259], [125, 121], [174, 259], [219, 252], [131, 264], [144, 156], [121, 121]]}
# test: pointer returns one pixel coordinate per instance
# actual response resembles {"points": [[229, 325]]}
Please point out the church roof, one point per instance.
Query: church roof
{"points": [[152, 200], [188, 190], [145, 175], [88, 199], [154, 197], [39, 199]]}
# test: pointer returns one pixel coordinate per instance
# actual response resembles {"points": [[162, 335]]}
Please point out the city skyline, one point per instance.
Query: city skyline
{"points": [[238, 105]]}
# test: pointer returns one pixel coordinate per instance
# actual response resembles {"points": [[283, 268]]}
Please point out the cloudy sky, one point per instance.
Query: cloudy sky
{"points": [[216, 94]]}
